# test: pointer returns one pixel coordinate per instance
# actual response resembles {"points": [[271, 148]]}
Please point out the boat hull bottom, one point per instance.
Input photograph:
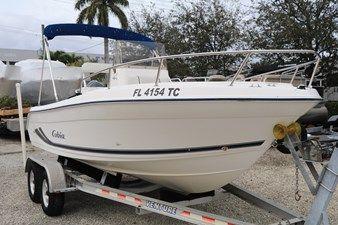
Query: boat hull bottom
{"points": [[192, 183], [192, 173]]}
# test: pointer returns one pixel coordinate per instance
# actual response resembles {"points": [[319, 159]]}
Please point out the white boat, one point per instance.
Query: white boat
{"points": [[9, 76], [188, 136], [67, 79]]}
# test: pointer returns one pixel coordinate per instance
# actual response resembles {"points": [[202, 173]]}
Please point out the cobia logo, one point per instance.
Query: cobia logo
{"points": [[58, 134]]}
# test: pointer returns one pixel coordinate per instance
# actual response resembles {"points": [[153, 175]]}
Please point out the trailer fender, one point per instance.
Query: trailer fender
{"points": [[55, 173]]}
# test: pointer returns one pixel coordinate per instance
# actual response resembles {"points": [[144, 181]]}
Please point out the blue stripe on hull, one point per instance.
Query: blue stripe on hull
{"points": [[44, 138]]}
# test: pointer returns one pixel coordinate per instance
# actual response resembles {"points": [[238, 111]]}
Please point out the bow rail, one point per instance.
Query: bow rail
{"points": [[246, 53]]}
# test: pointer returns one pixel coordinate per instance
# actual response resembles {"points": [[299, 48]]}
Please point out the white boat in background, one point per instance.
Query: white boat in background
{"points": [[9, 76], [188, 136], [67, 79]]}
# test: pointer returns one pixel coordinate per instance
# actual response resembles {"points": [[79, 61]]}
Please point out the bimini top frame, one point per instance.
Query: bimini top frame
{"points": [[68, 29]]}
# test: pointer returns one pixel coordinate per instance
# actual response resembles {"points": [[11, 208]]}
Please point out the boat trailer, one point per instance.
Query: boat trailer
{"points": [[49, 180]]}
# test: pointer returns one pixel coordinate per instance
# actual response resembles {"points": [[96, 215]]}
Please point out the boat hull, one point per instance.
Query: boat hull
{"points": [[191, 172], [188, 144]]}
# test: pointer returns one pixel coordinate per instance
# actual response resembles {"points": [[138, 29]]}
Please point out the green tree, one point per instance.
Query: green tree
{"points": [[200, 26], [69, 59], [299, 24], [99, 10]]}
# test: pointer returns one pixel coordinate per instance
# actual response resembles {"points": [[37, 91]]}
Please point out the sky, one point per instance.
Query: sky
{"points": [[20, 23]]}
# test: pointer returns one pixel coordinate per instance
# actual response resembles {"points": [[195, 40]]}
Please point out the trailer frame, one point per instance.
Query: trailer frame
{"points": [[63, 180]]}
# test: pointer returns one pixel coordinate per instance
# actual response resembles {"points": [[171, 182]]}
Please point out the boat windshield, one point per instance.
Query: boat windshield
{"points": [[127, 51], [124, 52]]}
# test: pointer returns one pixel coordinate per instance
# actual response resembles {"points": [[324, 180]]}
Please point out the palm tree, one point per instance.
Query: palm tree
{"points": [[99, 10], [70, 59]]}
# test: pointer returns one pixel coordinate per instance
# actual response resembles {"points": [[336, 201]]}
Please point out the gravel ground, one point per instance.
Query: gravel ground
{"points": [[272, 176]]}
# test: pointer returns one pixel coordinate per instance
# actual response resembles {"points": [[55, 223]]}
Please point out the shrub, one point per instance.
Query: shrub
{"points": [[332, 107], [11, 103]]}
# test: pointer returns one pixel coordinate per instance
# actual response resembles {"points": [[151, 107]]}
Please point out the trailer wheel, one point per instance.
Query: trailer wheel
{"points": [[34, 178], [52, 203]]}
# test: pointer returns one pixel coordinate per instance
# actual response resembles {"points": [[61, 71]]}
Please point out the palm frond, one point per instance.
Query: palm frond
{"points": [[117, 11], [124, 3], [82, 16], [87, 14], [103, 17], [92, 13], [80, 4]]}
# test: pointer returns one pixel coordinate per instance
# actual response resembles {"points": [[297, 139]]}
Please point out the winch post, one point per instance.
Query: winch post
{"points": [[325, 191], [296, 159]]}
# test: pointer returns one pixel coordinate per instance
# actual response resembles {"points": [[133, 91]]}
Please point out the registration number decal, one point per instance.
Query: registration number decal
{"points": [[172, 92]]}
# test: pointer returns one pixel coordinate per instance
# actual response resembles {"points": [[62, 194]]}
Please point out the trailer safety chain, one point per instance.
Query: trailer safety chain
{"points": [[297, 195], [274, 144], [286, 222]]}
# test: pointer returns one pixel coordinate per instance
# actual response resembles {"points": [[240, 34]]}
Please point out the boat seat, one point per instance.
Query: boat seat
{"points": [[217, 78], [139, 75]]}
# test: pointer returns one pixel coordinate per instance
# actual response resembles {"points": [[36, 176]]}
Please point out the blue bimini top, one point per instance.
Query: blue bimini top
{"points": [[74, 29]]}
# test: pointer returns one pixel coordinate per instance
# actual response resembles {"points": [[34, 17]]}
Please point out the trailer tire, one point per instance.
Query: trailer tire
{"points": [[52, 203], [34, 179]]}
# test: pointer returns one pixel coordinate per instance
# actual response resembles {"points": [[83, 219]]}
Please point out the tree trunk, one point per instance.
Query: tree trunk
{"points": [[106, 51]]}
